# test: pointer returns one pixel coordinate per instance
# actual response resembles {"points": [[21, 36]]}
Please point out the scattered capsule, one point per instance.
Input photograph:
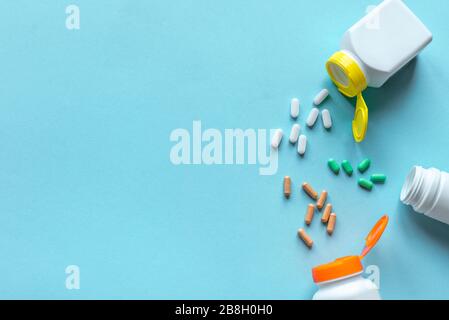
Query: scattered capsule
{"points": [[309, 214], [302, 144], [364, 165], [305, 238], [378, 178], [334, 166], [287, 186], [321, 200], [346, 165], [331, 223], [320, 97], [277, 137], [366, 184], [309, 190], [326, 213], [294, 133], [294, 108], [327, 120], [313, 115]]}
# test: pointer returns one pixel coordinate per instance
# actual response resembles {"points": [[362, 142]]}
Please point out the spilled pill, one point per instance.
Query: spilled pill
{"points": [[302, 144], [346, 165], [364, 165], [305, 238], [326, 117], [287, 186], [294, 108], [309, 190], [294, 133], [313, 115], [277, 137], [326, 213], [309, 214], [378, 178], [334, 166], [331, 223], [366, 184], [320, 97], [321, 200]]}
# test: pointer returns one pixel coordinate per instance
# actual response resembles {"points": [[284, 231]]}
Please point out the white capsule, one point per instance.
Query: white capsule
{"points": [[320, 97], [277, 137], [294, 108], [313, 115], [302, 144], [294, 134], [326, 117]]}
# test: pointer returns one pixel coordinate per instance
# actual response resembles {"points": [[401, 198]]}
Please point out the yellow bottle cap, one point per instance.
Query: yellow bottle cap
{"points": [[350, 80], [360, 122]]}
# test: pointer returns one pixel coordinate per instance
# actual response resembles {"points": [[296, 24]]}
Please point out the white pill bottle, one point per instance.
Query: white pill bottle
{"points": [[427, 191], [342, 279], [373, 50]]}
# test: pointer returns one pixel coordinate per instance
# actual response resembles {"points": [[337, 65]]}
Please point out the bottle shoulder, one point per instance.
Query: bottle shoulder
{"points": [[357, 288], [387, 38]]}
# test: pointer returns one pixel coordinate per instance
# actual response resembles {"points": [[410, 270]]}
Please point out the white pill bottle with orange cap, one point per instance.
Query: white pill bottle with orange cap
{"points": [[342, 279], [373, 50]]}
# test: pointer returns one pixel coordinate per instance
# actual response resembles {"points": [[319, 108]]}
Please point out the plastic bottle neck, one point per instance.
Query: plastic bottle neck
{"points": [[341, 280], [421, 188], [359, 63], [347, 72]]}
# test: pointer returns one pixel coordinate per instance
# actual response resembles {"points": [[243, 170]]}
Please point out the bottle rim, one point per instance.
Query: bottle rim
{"points": [[420, 188], [345, 72], [429, 190], [411, 184]]}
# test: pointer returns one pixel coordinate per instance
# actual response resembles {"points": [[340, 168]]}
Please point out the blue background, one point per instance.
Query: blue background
{"points": [[85, 172]]}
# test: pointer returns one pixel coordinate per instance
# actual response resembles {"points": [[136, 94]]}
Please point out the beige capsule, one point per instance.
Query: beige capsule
{"points": [[287, 186], [321, 200], [305, 238], [331, 223], [309, 190], [309, 214], [326, 213]]}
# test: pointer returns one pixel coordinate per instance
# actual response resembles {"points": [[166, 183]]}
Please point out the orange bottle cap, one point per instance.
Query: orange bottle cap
{"points": [[350, 265], [339, 268], [374, 235]]}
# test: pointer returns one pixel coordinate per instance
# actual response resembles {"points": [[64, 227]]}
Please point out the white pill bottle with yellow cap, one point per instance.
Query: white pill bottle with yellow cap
{"points": [[373, 50], [342, 279]]}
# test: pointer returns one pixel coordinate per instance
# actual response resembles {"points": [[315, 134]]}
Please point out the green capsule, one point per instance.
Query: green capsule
{"points": [[366, 184], [346, 165], [334, 166], [364, 165], [378, 178]]}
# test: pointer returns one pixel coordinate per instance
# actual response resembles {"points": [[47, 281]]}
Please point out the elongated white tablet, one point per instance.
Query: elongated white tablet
{"points": [[302, 144], [320, 97], [294, 133], [326, 117], [313, 115], [294, 108], [277, 137]]}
